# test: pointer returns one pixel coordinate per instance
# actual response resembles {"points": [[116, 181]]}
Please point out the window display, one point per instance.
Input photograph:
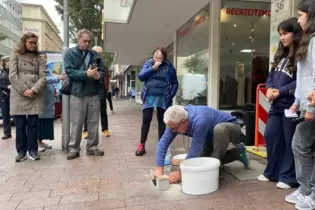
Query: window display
{"points": [[192, 59], [244, 51]]}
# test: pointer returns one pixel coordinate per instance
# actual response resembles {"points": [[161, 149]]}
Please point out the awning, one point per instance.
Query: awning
{"points": [[152, 24]]}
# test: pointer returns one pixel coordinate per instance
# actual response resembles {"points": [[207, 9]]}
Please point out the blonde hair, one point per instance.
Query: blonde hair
{"points": [[175, 114]]}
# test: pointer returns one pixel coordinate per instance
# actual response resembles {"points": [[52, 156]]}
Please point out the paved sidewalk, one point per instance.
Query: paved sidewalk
{"points": [[119, 180]]}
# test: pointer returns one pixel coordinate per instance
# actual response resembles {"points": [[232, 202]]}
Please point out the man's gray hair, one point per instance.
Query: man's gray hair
{"points": [[84, 31], [175, 114]]}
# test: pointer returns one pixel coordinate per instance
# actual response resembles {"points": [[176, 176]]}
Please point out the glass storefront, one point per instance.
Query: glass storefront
{"points": [[192, 59], [245, 37]]}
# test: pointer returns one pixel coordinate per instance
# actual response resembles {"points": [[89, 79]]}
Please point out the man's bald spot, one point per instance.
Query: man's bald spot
{"points": [[98, 49]]}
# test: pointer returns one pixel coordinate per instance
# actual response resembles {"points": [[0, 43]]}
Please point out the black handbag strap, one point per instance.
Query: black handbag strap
{"points": [[83, 59]]}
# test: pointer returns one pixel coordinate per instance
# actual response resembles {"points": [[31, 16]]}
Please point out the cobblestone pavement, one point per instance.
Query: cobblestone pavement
{"points": [[119, 180]]}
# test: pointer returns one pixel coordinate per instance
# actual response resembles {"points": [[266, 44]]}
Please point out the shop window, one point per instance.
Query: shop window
{"points": [[245, 34], [192, 59]]}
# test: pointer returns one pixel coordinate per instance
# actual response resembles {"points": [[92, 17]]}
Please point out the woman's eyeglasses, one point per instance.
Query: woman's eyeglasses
{"points": [[33, 43]]}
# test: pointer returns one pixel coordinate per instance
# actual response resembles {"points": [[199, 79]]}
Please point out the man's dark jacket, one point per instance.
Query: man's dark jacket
{"points": [[76, 70]]}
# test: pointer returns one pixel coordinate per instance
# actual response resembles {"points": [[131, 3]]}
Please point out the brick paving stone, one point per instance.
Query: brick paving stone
{"points": [[71, 206], [38, 202], [105, 204], [77, 198], [119, 180], [10, 205], [27, 195], [67, 191], [5, 197], [105, 188]]}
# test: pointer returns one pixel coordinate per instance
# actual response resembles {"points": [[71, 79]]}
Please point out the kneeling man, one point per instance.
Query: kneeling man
{"points": [[211, 131]]}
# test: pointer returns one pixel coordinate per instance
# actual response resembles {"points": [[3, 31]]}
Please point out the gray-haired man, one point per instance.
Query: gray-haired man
{"points": [[85, 71]]}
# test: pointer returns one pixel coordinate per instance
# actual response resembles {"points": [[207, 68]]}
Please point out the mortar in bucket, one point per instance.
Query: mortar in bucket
{"points": [[200, 175]]}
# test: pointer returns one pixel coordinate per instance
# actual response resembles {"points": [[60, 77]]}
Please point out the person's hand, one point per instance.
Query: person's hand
{"points": [[174, 177], [156, 65], [275, 93], [293, 109], [159, 171], [92, 72], [309, 116], [97, 76], [62, 77], [9, 87], [269, 94], [29, 93]]}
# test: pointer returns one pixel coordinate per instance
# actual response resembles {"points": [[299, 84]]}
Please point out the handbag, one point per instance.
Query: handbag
{"points": [[67, 84]]}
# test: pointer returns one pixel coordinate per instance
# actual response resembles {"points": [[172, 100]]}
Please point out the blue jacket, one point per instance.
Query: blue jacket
{"points": [[49, 95], [164, 79], [202, 120], [280, 78]]}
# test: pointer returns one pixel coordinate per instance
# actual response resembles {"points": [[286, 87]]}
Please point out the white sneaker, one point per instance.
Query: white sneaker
{"points": [[282, 185], [41, 149], [307, 204], [295, 197], [262, 178]]}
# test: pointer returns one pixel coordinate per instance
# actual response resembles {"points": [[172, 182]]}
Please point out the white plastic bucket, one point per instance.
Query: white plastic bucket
{"points": [[200, 175]]}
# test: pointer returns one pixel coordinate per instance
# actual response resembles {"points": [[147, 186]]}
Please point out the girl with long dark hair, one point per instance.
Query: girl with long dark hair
{"points": [[281, 85]]}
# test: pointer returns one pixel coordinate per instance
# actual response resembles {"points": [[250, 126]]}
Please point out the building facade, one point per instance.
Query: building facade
{"points": [[36, 19], [10, 25], [221, 49]]}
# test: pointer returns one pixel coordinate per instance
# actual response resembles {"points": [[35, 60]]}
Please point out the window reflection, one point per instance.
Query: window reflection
{"points": [[192, 59]]}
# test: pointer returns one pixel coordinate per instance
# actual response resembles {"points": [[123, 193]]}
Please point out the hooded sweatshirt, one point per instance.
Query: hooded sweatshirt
{"points": [[306, 79], [280, 78]]}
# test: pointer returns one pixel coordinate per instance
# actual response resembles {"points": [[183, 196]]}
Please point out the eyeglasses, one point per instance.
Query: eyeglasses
{"points": [[178, 126], [32, 42], [86, 41]]}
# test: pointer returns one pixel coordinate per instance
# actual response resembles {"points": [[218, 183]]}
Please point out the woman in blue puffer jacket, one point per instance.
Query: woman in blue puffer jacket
{"points": [[160, 87]]}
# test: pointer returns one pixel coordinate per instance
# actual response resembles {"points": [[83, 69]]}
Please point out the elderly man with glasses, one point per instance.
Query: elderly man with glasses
{"points": [[211, 131]]}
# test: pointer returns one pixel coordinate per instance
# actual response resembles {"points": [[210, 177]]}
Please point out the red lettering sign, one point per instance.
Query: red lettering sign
{"points": [[247, 12]]}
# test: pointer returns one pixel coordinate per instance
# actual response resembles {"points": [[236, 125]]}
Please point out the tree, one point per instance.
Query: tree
{"points": [[83, 14], [195, 64], [86, 14]]}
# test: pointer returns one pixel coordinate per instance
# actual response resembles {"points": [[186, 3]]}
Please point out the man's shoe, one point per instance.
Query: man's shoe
{"points": [[96, 152], [33, 156], [106, 133], [140, 150], [21, 157], [6, 137], [85, 135], [73, 155], [243, 155]]}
